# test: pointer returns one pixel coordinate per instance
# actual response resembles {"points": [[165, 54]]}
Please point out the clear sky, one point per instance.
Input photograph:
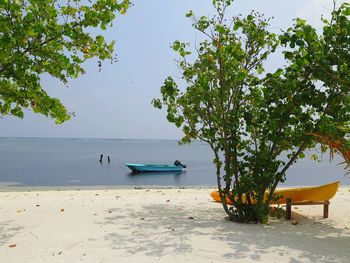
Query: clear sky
{"points": [[116, 102]]}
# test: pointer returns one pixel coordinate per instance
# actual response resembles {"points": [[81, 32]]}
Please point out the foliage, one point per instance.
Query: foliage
{"points": [[251, 120], [52, 37], [322, 63], [277, 212]]}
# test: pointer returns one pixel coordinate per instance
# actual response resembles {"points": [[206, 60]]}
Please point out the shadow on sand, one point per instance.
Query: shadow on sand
{"points": [[7, 231], [161, 229]]}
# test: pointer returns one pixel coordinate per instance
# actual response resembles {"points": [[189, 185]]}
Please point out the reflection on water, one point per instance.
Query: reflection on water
{"points": [[140, 177], [150, 174]]}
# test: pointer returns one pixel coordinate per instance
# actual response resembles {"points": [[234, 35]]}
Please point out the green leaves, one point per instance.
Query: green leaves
{"points": [[180, 48], [189, 14], [314, 157], [222, 103], [157, 103], [301, 155], [45, 37], [250, 120]]}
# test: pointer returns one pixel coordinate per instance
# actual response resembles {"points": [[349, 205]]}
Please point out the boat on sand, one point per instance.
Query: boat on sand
{"points": [[299, 194]]}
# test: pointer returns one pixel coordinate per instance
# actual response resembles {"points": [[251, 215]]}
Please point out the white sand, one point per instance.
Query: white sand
{"points": [[156, 225]]}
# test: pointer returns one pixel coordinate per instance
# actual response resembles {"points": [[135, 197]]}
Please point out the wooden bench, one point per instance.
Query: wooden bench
{"points": [[289, 203]]}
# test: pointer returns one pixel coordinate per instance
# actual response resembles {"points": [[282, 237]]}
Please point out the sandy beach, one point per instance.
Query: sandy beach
{"points": [[161, 225]]}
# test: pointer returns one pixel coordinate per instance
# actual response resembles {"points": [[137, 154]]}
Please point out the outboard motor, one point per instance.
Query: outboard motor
{"points": [[178, 163]]}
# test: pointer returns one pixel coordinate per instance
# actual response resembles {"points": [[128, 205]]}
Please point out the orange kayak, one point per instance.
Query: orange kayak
{"points": [[313, 193]]}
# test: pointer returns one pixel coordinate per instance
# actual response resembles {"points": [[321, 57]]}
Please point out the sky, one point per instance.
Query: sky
{"points": [[116, 102]]}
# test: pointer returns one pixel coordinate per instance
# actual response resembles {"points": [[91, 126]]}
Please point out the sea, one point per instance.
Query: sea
{"points": [[62, 162]]}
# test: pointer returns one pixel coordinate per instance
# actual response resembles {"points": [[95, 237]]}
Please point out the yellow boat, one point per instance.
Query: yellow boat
{"points": [[300, 194]]}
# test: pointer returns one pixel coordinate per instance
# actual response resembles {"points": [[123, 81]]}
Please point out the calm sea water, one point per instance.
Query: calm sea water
{"points": [[74, 162]]}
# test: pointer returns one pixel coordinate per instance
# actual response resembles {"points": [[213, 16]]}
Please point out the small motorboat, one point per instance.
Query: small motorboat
{"points": [[136, 167]]}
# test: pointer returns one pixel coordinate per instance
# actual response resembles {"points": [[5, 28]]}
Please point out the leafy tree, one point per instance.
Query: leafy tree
{"points": [[250, 119], [53, 37]]}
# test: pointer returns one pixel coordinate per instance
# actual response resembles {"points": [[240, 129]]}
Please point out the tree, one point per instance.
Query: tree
{"points": [[52, 37], [325, 60], [252, 119]]}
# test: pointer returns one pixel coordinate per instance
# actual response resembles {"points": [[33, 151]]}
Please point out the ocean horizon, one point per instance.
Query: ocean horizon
{"points": [[70, 162]]}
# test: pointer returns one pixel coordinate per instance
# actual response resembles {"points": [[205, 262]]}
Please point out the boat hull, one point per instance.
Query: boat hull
{"points": [[137, 168], [313, 194]]}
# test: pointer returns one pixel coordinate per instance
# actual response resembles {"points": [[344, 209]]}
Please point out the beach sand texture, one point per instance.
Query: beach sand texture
{"points": [[161, 225]]}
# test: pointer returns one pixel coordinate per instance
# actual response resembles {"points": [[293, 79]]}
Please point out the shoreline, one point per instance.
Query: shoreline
{"points": [[20, 188], [17, 188], [162, 225]]}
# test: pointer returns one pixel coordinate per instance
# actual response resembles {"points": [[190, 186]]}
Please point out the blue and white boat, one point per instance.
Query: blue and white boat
{"points": [[136, 167]]}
